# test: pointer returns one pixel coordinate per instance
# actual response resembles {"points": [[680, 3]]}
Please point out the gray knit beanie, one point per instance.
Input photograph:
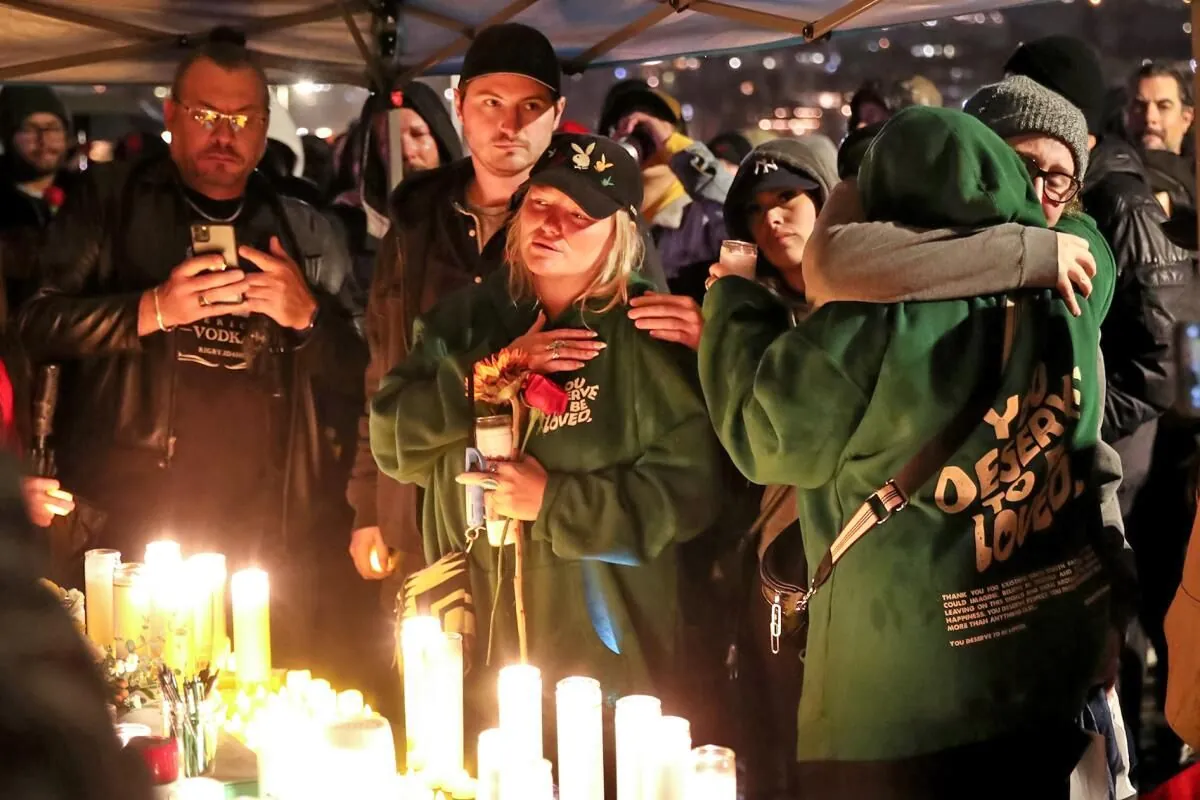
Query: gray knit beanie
{"points": [[1018, 105]]}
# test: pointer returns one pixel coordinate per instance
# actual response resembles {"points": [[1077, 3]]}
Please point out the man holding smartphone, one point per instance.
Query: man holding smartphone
{"points": [[195, 411]]}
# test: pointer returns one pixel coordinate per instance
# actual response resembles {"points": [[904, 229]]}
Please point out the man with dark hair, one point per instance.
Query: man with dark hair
{"points": [[1161, 108], [34, 127], [196, 408]]}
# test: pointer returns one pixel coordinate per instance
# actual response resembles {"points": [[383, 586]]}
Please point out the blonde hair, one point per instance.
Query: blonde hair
{"points": [[622, 257]]}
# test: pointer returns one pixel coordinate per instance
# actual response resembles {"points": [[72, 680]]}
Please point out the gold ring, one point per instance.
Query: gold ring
{"points": [[203, 300]]}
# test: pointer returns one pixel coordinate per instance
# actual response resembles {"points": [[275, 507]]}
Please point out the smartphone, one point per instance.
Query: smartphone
{"points": [[208, 238], [1187, 354]]}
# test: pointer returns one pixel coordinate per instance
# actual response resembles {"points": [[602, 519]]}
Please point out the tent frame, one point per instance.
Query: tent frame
{"points": [[386, 14]]}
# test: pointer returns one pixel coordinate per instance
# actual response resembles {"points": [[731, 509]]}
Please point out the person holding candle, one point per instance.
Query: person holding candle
{"points": [[607, 489], [59, 740]]}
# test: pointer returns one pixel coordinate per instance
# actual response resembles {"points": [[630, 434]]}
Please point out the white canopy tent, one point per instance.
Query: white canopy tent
{"points": [[347, 41]]}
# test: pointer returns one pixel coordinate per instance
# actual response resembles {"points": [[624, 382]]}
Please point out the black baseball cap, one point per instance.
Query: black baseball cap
{"points": [[766, 174], [513, 49], [594, 171]]}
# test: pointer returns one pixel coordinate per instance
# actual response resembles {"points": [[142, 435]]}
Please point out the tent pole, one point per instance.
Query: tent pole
{"points": [[580, 62], [441, 20], [463, 42], [835, 19], [750, 17], [374, 68], [83, 59], [87, 20]]}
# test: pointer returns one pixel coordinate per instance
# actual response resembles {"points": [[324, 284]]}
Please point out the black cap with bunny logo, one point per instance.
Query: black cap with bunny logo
{"points": [[594, 171]]}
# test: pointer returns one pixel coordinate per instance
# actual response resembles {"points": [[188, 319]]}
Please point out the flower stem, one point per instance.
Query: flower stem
{"points": [[519, 554]]}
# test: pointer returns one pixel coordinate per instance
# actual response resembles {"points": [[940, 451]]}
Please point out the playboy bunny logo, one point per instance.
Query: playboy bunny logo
{"points": [[602, 164], [582, 158]]}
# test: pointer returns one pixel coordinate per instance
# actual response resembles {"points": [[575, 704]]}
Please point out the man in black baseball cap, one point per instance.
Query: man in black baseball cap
{"points": [[441, 237], [513, 49]]}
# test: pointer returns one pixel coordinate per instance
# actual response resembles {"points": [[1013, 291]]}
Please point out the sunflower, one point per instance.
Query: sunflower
{"points": [[499, 378]]}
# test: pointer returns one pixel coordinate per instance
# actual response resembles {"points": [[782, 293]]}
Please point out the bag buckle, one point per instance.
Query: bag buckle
{"points": [[887, 501], [802, 601]]}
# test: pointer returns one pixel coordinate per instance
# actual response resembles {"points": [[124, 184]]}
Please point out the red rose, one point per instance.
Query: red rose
{"points": [[55, 196], [545, 395]]}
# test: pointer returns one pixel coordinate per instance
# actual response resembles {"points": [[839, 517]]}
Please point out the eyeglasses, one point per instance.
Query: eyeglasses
{"points": [[42, 132], [1059, 186], [208, 119]]}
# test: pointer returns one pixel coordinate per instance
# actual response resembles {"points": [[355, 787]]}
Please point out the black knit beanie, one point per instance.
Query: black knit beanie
{"points": [[1068, 66], [18, 103]]}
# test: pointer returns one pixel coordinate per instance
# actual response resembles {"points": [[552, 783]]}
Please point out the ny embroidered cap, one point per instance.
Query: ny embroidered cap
{"points": [[768, 174], [594, 171], [513, 49]]}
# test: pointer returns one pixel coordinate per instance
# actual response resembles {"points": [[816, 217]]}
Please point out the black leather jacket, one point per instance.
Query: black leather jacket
{"points": [[1138, 333], [121, 233]]}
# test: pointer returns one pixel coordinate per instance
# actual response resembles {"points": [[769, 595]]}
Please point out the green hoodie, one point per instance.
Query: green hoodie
{"points": [[633, 471], [980, 609]]}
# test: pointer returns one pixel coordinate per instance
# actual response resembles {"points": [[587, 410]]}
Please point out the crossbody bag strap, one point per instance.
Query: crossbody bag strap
{"points": [[893, 496]]}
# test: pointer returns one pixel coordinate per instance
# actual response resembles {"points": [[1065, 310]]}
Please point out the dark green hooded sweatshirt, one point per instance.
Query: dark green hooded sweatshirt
{"points": [[633, 472], [980, 610]]}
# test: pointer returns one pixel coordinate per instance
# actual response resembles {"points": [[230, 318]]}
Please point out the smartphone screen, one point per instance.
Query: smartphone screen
{"points": [[210, 238], [1188, 356]]}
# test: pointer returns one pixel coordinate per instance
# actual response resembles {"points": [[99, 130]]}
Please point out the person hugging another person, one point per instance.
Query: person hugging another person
{"points": [[925, 677], [605, 496]]}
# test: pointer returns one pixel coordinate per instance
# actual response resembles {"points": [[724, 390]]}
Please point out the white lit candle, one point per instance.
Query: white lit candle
{"points": [[447, 722], [206, 576], [164, 552], [713, 774], [637, 724], [350, 704], [580, 739], [491, 758], [98, 568], [297, 681], [199, 789], [131, 609], [322, 701], [252, 625], [419, 639], [358, 759], [164, 563], [520, 689], [527, 780], [674, 757]]}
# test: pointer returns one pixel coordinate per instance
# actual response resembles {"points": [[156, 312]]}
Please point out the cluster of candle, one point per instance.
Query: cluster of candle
{"points": [[171, 608], [314, 742], [655, 759]]}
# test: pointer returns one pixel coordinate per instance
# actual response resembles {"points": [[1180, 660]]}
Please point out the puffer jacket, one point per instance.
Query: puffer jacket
{"points": [[1138, 333], [121, 233]]}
